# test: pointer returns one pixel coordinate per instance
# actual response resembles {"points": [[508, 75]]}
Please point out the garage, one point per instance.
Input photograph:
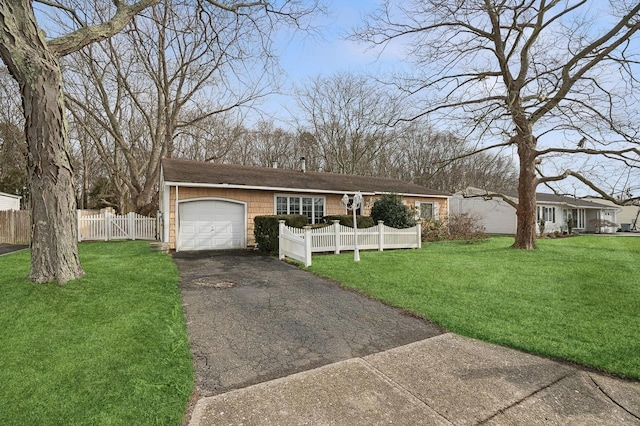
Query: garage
{"points": [[211, 225]]}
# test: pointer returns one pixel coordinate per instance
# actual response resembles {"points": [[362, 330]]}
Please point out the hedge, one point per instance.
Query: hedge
{"points": [[347, 220], [266, 229]]}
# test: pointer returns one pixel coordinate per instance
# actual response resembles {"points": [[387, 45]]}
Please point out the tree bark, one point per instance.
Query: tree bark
{"points": [[54, 253], [527, 183], [54, 249]]}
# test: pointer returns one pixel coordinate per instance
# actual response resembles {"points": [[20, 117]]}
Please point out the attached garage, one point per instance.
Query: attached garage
{"points": [[211, 224]]}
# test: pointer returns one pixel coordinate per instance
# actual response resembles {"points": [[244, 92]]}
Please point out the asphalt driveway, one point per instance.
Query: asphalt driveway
{"points": [[252, 318], [10, 248]]}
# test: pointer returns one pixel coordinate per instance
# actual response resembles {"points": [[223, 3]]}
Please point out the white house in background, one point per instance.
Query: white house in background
{"points": [[499, 217], [628, 217], [9, 202]]}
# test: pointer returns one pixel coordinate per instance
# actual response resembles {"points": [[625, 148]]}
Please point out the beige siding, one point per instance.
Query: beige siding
{"points": [[263, 203]]}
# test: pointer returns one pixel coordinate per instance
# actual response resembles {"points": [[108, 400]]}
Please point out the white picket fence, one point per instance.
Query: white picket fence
{"points": [[108, 226], [299, 243]]}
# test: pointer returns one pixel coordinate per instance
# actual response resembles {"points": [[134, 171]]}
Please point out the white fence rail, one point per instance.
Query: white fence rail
{"points": [[107, 226], [299, 243]]}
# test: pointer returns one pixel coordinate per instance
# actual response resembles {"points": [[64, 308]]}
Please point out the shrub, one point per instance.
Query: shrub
{"points": [[266, 229], [434, 230], [347, 220], [389, 208], [570, 224], [466, 227]]}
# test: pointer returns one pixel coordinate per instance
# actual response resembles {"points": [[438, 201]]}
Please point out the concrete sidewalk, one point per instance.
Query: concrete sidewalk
{"points": [[446, 379]]}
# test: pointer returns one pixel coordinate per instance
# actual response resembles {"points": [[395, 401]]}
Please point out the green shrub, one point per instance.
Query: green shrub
{"points": [[266, 229], [570, 224], [389, 208], [347, 220]]}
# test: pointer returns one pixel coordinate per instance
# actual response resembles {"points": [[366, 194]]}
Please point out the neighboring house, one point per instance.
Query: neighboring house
{"points": [[9, 202], [626, 217], [498, 217], [212, 206]]}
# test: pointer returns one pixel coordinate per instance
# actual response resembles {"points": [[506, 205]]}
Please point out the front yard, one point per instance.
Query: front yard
{"points": [[576, 299], [110, 348]]}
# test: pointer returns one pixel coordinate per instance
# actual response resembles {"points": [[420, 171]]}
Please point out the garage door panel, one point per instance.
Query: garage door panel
{"points": [[211, 224]]}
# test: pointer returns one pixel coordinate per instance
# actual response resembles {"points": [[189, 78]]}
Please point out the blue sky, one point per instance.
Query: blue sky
{"points": [[328, 52], [303, 57]]}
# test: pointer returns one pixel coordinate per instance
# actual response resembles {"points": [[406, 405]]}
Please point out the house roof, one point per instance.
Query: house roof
{"points": [[575, 202], [178, 171], [544, 198]]}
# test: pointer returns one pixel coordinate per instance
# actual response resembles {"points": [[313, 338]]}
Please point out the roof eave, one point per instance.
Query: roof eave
{"points": [[290, 189]]}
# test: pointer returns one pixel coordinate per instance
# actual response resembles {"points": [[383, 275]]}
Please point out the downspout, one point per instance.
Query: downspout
{"points": [[176, 220]]}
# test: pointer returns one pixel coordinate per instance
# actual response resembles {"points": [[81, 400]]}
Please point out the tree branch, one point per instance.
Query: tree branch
{"points": [[84, 36]]}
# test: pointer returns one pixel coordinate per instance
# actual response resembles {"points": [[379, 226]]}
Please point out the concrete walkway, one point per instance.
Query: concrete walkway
{"points": [[445, 379]]}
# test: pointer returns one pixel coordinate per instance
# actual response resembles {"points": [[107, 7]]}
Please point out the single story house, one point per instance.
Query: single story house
{"points": [[9, 201], [207, 206], [499, 217]]}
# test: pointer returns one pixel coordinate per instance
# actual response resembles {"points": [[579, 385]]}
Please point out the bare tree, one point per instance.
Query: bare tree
{"points": [[441, 160], [161, 82], [534, 75], [210, 139], [13, 146], [34, 62], [349, 117]]}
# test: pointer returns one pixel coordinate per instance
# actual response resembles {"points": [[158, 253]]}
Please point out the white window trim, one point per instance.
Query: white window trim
{"points": [[435, 209], [301, 196]]}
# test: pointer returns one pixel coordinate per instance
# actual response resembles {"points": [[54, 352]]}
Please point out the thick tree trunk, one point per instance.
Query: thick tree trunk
{"points": [[527, 182], [54, 246]]}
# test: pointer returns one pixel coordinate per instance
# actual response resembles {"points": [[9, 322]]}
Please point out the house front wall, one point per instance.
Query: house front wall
{"points": [[263, 202], [495, 215], [498, 217]]}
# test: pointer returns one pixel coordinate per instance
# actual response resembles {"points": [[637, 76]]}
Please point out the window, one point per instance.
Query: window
{"points": [[547, 213], [578, 216], [318, 209], [312, 207], [426, 210]]}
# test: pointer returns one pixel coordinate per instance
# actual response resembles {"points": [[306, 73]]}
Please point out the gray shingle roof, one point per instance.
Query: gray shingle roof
{"points": [[186, 171], [542, 197]]}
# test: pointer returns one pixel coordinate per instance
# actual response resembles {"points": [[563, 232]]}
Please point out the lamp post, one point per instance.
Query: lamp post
{"points": [[355, 205]]}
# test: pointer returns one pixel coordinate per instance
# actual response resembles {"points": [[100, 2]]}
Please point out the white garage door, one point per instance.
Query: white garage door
{"points": [[211, 225]]}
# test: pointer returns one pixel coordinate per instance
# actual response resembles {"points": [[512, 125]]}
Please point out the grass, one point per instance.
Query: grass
{"points": [[576, 299], [108, 349]]}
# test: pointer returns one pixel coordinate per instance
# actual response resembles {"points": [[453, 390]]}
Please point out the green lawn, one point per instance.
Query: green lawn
{"points": [[575, 298], [108, 349]]}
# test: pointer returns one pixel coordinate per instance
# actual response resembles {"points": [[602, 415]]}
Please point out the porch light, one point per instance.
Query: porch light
{"points": [[355, 205]]}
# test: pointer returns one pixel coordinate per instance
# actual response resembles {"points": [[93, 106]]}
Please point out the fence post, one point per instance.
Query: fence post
{"points": [[131, 219], [419, 230], [307, 246], [336, 231], [12, 225], [380, 235], [280, 232], [107, 224]]}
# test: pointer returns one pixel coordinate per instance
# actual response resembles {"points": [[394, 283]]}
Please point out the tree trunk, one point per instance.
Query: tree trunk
{"points": [[54, 247], [54, 243], [527, 182]]}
